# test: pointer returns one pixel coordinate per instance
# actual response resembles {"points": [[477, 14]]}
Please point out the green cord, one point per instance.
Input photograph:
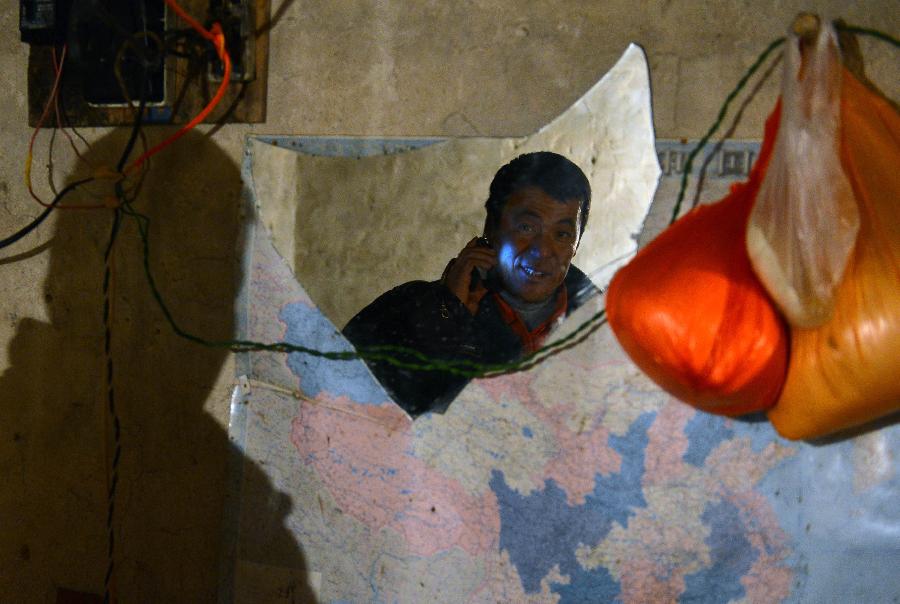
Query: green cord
{"points": [[419, 361], [719, 119], [385, 353], [865, 31], [868, 32]]}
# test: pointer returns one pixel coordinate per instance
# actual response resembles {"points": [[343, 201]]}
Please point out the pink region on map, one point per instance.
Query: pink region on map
{"points": [[769, 579], [645, 580], [502, 583], [361, 452], [734, 467], [667, 444], [731, 473], [655, 541], [513, 387], [584, 449], [757, 514], [582, 456]]}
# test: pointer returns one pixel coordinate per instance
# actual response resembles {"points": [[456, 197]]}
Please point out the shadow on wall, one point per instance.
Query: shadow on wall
{"points": [[54, 427]]}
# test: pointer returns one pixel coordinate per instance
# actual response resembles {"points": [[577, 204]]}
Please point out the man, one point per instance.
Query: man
{"points": [[500, 297]]}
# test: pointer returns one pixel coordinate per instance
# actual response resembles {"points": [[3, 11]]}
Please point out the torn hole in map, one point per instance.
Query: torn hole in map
{"points": [[355, 217]]}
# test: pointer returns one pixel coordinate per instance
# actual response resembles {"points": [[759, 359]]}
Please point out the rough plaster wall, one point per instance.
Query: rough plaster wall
{"points": [[506, 68], [337, 67]]}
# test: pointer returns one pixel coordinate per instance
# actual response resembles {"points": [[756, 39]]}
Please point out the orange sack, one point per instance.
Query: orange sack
{"points": [[847, 371], [693, 316]]}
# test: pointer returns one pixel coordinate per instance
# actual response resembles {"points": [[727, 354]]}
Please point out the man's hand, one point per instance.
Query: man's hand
{"points": [[458, 276]]}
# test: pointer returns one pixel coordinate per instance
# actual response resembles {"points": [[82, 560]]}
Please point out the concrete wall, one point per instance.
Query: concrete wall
{"points": [[336, 67]]}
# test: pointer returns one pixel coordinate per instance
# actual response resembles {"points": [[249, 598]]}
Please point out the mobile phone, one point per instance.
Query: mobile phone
{"points": [[479, 274]]}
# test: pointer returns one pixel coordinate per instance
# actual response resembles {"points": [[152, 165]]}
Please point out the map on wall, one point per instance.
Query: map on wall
{"points": [[578, 480]]}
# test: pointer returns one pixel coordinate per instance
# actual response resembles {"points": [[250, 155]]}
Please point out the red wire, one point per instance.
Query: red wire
{"points": [[58, 67], [217, 37], [209, 35], [51, 102], [40, 123]]}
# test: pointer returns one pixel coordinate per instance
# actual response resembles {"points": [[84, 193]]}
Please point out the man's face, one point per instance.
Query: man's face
{"points": [[535, 241]]}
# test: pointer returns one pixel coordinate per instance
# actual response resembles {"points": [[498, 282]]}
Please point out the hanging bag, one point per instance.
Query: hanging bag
{"points": [[691, 313], [804, 222], [847, 372]]}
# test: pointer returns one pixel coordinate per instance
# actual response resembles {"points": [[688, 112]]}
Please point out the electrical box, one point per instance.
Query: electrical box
{"points": [[119, 51]]}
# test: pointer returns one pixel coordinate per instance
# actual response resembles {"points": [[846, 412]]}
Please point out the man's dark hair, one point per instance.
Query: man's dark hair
{"points": [[554, 174]]}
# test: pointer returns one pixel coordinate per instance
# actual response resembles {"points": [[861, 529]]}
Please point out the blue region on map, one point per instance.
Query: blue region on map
{"points": [[704, 433], [307, 326], [588, 587], [732, 555], [541, 530]]}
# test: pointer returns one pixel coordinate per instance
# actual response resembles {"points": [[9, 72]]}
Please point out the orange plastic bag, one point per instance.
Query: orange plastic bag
{"points": [[847, 372], [691, 313], [804, 222]]}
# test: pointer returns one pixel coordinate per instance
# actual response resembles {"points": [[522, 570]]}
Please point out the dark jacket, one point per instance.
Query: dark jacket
{"points": [[428, 317]]}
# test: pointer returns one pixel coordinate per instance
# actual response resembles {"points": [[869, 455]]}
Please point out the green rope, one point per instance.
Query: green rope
{"points": [[712, 129], [416, 360], [865, 31]]}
